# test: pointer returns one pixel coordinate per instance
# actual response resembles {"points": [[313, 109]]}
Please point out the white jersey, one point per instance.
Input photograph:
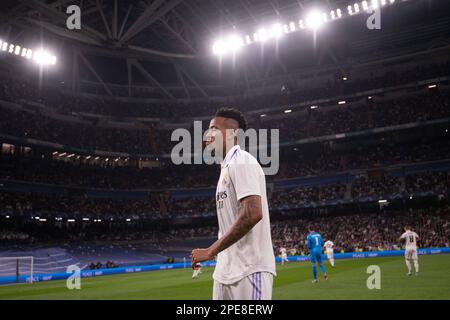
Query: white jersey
{"points": [[283, 251], [329, 245], [411, 239], [242, 176]]}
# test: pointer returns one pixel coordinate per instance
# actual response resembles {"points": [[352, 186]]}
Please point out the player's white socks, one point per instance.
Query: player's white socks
{"points": [[416, 266], [408, 265], [332, 262]]}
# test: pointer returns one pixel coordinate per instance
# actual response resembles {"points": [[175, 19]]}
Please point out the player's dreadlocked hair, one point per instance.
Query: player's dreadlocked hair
{"points": [[234, 114]]}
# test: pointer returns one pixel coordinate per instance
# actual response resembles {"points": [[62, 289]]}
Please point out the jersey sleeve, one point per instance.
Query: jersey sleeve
{"points": [[308, 240], [246, 179]]}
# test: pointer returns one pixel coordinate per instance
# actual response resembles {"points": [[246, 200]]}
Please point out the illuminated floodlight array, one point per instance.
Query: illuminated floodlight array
{"points": [[232, 44], [41, 57]]}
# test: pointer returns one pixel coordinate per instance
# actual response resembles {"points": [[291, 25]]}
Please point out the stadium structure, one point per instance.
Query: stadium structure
{"points": [[359, 92]]}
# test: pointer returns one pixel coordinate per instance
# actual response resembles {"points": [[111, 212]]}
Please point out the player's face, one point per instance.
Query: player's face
{"points": [[217, 133]]}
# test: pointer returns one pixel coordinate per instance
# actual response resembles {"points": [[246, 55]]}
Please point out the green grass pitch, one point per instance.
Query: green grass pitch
{"points": [[346, 281]]}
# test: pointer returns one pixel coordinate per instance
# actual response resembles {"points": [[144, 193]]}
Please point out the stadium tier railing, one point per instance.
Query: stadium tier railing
{"points": [[134, 269]]}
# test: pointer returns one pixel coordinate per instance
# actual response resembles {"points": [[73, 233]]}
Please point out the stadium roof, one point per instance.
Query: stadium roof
{"points": [[166, 44]]}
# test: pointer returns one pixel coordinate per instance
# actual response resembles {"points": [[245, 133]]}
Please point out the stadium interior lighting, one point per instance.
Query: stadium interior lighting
{"points": [[365, 5], [43, 220], [262, 35], [350, 10], [375, 4], [41, 57], [44, 58], [263, 115], [431, 86], [7, 217], [276, 31], [128, 220], [314, 20], [292, 26], [344, 78], [314, 107], [382, 201], [288, 111], [233, 44], [342, 102], [70, 220]]}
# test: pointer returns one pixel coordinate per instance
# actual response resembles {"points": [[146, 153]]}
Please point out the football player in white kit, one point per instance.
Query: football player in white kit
{"points": [[245, 259], [329, 247], [284, 257], [411, 238]]}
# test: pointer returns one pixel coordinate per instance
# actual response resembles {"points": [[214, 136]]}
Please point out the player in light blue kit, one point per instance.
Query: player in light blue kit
{"points": [[315, 244]]}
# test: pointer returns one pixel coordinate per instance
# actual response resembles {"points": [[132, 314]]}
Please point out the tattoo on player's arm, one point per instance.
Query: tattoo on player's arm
{"points": [[250, 213]]}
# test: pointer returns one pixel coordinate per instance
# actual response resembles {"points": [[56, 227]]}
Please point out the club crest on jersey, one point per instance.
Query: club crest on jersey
{"points": [[225, 179]]}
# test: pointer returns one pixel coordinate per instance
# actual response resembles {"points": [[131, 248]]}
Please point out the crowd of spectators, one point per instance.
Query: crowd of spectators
{"points": [[146, 139], [157, 206], [335, 86], [350, 233], [301, 163], [99, 265], [366, 232]]}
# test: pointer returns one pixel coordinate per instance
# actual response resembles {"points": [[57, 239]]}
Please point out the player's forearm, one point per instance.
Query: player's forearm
{"points": [[250, 213]]}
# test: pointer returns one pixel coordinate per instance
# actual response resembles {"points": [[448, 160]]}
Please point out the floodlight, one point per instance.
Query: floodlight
{"points": [[301, 24], [276, 31], [234, 43], [350, 10], [314, 20], [219, 48], [333, 15], [292, 26], [262, 35], [375, 4], [365, 5], [43, 58]]}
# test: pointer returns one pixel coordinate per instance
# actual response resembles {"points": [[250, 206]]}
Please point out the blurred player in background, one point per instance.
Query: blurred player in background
{"points": [[329, 248], [284, 257], [245, 259], [411, 238], [315, 244]]}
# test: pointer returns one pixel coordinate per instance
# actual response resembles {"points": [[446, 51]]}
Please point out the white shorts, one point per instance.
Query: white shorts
{"points": [[284, 257], [257, 286], [411, 254], [330, 254]]}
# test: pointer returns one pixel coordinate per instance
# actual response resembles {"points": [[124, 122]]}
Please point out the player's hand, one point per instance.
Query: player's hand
{"points": [[200, 255]]}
